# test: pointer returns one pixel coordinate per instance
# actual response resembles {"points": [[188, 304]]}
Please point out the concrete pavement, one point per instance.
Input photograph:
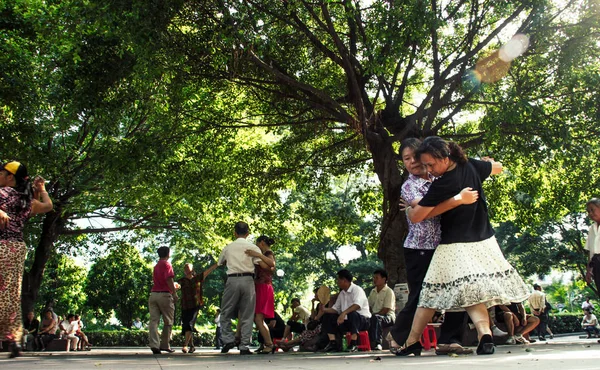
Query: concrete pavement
{"points": [[564, 353]]}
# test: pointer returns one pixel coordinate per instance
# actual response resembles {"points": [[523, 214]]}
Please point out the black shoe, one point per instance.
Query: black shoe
{"points": [[192, 349], [413, 349], [260, 348], [542, 339], [15, 350], [156, 351], [227, 347], [353, 348], [486, 345], [244, 352], [168, 350], [330, 347]]}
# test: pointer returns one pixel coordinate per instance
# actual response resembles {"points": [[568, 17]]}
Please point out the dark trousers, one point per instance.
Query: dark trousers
{"points": [[453, 328], [591, 330], [378, 323], [595, 265], [541, 328], [417, 263], [218, 339], [353, 323], [295, 327]]}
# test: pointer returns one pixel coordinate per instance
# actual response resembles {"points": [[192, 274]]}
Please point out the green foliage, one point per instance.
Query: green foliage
{"points": [[570, 296], [119, 282], [565, 323], [139, 338], [64, 287]]}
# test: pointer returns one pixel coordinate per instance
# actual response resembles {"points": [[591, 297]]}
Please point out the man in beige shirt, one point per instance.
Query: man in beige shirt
{"points": [[297, 323], [537, 303], [239, 295], [382, 303]]}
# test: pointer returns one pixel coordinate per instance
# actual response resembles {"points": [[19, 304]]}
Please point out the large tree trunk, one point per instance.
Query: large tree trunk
{"points": [[393, 226], [32, 279]]}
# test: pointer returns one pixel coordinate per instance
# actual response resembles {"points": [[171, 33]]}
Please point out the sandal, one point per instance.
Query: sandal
{"points": [[266, 350], [184, 349], [448, 349]]}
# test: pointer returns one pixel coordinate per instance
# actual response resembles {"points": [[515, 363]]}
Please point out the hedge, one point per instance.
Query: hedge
{"points": [[562, 323]]}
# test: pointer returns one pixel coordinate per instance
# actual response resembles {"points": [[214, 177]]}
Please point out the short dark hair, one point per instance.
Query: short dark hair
{"points": [[345, 274], [295, 300], [382, 273], [241, 228], [536, 286], [163, 252], [70, 316], [412, 143]]}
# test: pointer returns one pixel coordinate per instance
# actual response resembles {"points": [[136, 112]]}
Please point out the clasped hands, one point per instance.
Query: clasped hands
{"points": [[467, 195]]}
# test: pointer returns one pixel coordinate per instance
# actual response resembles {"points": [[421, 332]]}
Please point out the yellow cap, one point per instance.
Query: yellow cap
{"points": [[12, 167]]}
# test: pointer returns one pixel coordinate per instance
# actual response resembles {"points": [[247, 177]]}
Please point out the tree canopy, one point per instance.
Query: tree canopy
{"points": [[176, 119]]}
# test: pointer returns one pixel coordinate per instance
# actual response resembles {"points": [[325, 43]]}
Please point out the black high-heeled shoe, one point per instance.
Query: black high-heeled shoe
{"points": [[413, 349], [486, 345], [15, 350]]}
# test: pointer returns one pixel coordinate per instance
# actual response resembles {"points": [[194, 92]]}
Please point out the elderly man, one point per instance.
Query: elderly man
{"points": [[382, 302], [537, 303], [239, 296], [162, 303], [350, 313]]}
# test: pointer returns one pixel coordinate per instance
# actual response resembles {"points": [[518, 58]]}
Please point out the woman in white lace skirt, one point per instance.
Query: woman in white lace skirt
{"points": [[468, 270]]}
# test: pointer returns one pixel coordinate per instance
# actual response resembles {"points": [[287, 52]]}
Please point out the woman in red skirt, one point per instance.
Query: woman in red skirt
{"points": [[265, 297]]}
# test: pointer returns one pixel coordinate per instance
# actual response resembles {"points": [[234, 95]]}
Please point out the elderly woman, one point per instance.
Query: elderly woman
{"points": [[191, 301], [19, 200], [468, 270]]}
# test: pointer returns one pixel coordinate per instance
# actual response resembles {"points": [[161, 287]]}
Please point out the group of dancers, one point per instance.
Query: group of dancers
{"points": [[453, 260]]}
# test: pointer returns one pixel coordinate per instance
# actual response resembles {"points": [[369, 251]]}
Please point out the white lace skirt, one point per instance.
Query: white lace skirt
{"points": [[465, 274]]}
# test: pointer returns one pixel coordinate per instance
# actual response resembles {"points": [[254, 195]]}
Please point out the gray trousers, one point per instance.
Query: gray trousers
{"points": [[239, 298]]}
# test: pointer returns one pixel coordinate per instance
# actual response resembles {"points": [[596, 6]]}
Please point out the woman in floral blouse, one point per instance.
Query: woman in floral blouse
{"points": [[19, 200]]}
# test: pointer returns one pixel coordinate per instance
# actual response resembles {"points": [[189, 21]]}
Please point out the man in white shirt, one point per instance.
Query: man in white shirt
{"points": [[69, 326], [350, 313], [537, 303], [138, 323], [239, 296], [297, 323], [587, 305], [382, 302]]}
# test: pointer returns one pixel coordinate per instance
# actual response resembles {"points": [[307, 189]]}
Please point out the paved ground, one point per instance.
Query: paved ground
{"points": [[564, 353]]}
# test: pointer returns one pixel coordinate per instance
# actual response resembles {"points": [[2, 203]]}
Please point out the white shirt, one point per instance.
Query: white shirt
{"points": [[138, 324], [537, 300], [593, 240], [69, 327], [303, 314], [586, 304], [592, 321], [354, 295], [238, 262], [218, 320]]}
